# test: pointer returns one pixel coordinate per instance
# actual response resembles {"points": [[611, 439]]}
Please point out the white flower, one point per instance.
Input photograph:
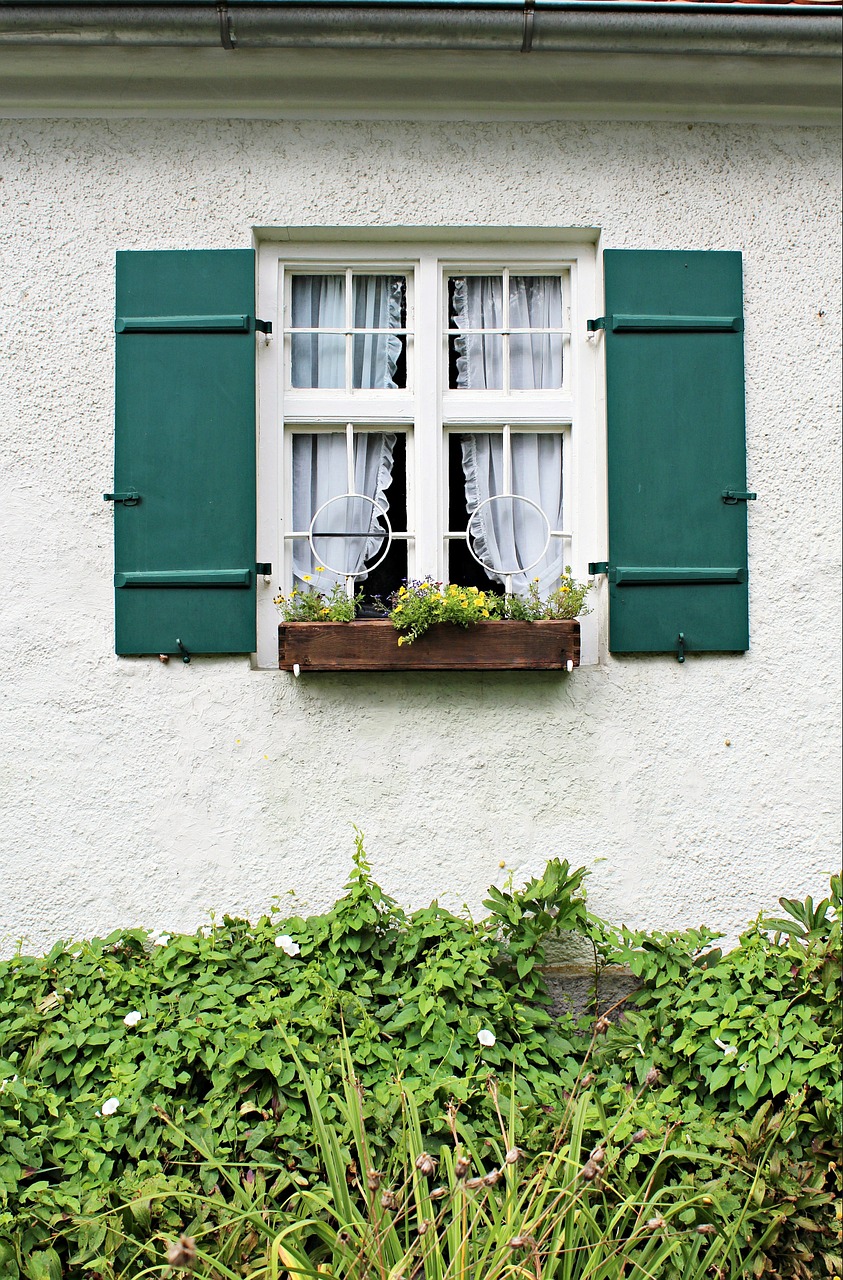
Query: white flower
{"points": [[132, 1019], [729, 1050], [110, 1106], [287, 945], [486, 1037]]}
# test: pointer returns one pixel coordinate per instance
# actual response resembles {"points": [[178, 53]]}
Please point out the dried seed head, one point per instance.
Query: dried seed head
{"points": [[373, 1179], [522, 1242], [587, 1080], [182, 1254], [598, 1155], [473, 1183], [639, 1135], [343, 1238], [438, 1193], [490, 1179], [426, 1165], [653, 1076], [656, 1224], [462, 1164], [513, 1155], [590, 1170], [706, 1229], [389, 1200], [424, 1226]]}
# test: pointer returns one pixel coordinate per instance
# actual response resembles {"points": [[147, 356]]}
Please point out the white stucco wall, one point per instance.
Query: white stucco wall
{"points": [[134, 792]]}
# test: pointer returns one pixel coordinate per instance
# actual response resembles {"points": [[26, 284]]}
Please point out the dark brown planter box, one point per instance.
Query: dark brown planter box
{"points": [[373, 646]]}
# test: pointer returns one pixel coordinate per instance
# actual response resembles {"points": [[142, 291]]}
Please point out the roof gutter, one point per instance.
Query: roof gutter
{"points": [[554, 26]]}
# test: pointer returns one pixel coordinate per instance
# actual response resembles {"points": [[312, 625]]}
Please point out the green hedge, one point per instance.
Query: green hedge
{"points": [[209, 1061]]}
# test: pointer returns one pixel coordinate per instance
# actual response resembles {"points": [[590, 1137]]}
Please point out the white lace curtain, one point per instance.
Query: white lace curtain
{"points": [[318, 359], [535, 359], [512, 534], [320, 459], [320, 472]]}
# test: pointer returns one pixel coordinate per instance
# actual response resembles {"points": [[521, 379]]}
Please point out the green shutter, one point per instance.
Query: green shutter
{"points": [[676, 444], [185, 443]]}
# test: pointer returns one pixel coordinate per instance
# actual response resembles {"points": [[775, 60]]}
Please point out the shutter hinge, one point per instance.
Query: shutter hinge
{"points": [[263, 326], [130, 498], [593, 325], [263, 567], [598, 566], [731, 496], [680, 647]]}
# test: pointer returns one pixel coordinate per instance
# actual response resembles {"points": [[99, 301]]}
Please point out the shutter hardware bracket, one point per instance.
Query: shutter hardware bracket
{"points": [[185, 656], [594, 327], [680, 647], [130, 498], [732, 496], [598, 566]]}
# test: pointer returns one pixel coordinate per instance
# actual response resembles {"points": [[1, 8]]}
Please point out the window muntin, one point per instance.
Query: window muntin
{"points": [[347, 331]]}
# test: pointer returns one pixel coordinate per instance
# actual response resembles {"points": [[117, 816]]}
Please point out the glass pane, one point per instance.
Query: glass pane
{"points": [[475, 359], [378, 361], [317, 360], [379, 302], [318, 302], [535, 361]]}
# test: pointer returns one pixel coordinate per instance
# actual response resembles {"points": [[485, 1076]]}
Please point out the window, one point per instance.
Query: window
{"points": [[425, 411]]}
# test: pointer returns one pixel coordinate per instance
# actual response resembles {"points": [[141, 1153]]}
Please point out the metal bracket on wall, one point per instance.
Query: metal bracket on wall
{"points": [[130, 498], [680, 647], [731, 496], [598, 566], [185, 656]]}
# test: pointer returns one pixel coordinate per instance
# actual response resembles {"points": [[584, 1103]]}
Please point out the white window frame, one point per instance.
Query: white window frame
{"points": [[427, 410]]}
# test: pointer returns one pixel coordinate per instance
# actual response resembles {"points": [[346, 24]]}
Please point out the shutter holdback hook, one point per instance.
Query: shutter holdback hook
{"points": [[680, 647], [185, 656]]}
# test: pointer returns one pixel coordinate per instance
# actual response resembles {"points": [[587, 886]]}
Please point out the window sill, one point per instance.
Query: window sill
{"points": [[373, 646]]}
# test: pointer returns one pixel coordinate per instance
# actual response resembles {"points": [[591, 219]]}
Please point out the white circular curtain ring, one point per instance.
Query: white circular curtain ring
{"points": [[502, 569], [313, 533]]}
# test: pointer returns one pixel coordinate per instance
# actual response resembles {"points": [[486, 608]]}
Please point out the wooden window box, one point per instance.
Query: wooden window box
{"points": [[373, 646]]}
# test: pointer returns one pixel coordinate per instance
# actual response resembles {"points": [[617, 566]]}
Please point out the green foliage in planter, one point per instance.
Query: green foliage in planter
{"points": [[101, 1040], [418, 606], [311, 605]]}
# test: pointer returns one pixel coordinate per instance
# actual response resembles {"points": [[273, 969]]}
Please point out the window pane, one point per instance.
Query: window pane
{"points": [[379, 302], [535, 302], [317, 359], [318, 302], [535, 361], [475, 303], [379, 359]]}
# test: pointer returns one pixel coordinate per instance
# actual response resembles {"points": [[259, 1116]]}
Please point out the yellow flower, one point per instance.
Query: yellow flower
{"points": [[484, 613], [306, 577], [400, 639], [402, 591], [320, 568], [398, 608], [324, 611]]}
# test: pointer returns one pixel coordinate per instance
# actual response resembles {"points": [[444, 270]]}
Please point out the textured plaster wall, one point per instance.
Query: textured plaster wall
{"points": [[133, 792]]}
